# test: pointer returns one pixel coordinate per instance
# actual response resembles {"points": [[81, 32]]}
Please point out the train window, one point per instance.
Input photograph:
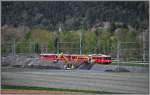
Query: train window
{"points": [[45, 56], [99, 58], [108, 58], [94, 57]]}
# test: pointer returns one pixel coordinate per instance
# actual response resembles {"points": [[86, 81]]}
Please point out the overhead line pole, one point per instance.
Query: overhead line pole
{"points": [[144, 47], [118, 54], [81, 41]]}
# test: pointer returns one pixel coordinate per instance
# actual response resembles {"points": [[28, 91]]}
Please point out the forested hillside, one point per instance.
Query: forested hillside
{"points": [[72, 15], [102, 25]]}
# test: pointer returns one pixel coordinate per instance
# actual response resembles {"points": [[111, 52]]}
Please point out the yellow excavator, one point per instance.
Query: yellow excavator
{"points": [[67, 64], [72, 64]]}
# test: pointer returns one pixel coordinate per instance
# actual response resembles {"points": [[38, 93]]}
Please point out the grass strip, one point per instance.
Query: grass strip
{"points": [[53, 89]]}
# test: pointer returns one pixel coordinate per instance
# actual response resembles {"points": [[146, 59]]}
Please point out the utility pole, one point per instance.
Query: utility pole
{"points": [[81, 41], [143, 47], [57, 38], [118, 54], [14, 48]]}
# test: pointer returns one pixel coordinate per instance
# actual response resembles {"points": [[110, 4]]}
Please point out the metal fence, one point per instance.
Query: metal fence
{"points": [[124, 52]]}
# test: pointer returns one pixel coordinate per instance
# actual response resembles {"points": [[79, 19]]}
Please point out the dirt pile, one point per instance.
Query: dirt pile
{"points": [[29, 62]]}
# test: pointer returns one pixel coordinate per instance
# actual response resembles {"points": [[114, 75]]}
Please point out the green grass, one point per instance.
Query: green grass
{"points": [[53, 89]]}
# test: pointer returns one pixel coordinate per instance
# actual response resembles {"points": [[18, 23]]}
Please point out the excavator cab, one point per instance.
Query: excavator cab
{"points": [[67, 64]]}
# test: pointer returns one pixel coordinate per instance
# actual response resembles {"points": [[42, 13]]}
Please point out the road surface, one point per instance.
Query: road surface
{"points": [[77, 79]]}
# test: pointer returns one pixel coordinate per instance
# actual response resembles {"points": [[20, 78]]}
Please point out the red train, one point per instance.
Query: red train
{"points": [[94, 58]]}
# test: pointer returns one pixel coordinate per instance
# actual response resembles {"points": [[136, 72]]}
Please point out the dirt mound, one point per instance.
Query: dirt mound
{"points": [[118, 69], [22, 61], [85, 66]]}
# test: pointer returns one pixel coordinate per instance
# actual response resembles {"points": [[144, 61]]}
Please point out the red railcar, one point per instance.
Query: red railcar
{"points": [[100, 59]]}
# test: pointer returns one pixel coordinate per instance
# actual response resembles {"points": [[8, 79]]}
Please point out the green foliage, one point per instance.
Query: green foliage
{"points": [[89, 42], [22, 47], [28, 36], [37, 48], [51, 46], [131, 36], [74, 14], [40, 35], [121, 34]]}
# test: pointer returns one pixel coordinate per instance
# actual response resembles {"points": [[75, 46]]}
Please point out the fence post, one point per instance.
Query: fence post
{"points": [[14, 48]]}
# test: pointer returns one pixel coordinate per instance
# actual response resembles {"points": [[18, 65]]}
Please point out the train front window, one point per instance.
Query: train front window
{"points": [[108, 58]]}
